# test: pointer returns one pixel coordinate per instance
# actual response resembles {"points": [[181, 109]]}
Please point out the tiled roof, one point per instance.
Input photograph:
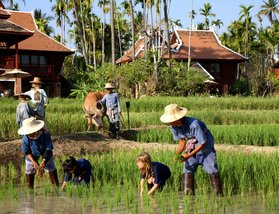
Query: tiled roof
{"points": [[39, 41], [204, 45], [139, 53], [4, 14]]}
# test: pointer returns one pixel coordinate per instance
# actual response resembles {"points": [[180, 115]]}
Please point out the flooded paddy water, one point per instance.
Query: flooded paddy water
{"points": [[37, 202], [250, 183]]}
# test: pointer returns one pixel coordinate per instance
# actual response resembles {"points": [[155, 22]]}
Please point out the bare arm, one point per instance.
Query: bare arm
{"points": [[153, 189], [30, 157], [195, 151], [141, 186], [181, 146], [63, 185]]}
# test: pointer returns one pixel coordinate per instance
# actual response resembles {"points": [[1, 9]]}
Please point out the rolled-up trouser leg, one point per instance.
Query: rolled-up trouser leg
{"points": [[30, 180], [216, 183], [54, 178], [189, 184]]}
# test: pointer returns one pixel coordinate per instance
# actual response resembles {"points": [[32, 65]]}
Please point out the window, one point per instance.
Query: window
{"points": [[24, 59], [43, 60], [215, 70], [34, 63]]}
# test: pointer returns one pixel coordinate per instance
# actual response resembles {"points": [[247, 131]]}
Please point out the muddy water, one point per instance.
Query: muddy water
{"points": [[36, 202]]}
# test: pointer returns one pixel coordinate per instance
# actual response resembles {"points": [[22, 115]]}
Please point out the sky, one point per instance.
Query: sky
{"points": [[226, 10]]}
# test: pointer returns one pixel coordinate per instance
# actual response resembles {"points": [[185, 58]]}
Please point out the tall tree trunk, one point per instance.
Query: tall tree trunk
{"points": [[103, 32], [145, 28], [112, 31], [166, 24], [77, 20], [133, 28], [93, 42]]}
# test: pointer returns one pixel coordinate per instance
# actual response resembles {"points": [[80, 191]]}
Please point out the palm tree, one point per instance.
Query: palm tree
{"points": [[269, 8], [112, 31], [103, 6], [206, 12], [245, 12], [60, 11], [129, 8], [42, 21], [11, 3]]}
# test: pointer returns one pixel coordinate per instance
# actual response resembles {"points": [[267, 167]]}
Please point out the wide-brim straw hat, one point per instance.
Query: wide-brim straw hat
{"points": [[36, 80], [30, 125], [109, 86], [173, 113], [22, 95]]}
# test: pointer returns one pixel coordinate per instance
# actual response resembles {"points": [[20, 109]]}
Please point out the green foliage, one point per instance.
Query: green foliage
{"points": [[179, 80]]}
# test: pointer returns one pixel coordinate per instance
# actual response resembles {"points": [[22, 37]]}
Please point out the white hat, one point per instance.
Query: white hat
{"points": [[109, 86], [30, 125], [36, 80], [173, 113]]}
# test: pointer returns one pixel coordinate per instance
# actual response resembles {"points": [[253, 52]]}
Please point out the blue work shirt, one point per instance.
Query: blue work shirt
{"points": [[37, 147], [194, 128], [160, 172], [83, 165], [112, 101], [23, 111]]}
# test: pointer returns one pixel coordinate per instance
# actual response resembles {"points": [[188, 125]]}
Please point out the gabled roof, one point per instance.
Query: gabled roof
{"points": [[39, 41], [11, 33], [139, 52], [204, 45]]}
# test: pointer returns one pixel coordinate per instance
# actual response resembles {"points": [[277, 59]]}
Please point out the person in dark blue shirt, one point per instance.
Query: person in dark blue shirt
{"points": [[195, 139], [155, 173], [36, 143], [80, 170]]}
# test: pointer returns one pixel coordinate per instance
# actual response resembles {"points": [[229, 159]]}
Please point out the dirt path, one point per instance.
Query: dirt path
{"points": [[87, 143]]}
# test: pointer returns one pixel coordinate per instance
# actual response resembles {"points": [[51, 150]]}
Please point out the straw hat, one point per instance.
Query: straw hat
{"points": [[173, 113], [22, 95], [36, 80], [30, 125], [109, 86]]}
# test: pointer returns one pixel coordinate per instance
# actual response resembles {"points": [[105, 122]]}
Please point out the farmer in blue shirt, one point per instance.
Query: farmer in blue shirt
{"points": [[36, 143], [112, 102], [80, 170], [198, 143], [155, 173], [23, 109]]}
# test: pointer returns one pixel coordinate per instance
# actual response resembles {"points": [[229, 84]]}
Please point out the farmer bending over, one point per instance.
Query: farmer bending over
{"points": [[81, 169], [36, 143], [199, 148], [112, 102], [155, 173]]}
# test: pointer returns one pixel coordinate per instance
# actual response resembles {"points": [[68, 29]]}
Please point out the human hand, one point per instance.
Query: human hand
{"points": [[186, 156], [36, 166], [42, 165], [179, 158]]}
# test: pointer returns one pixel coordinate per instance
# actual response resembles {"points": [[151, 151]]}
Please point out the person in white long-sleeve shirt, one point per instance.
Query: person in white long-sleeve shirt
{"points": [[39, 98]]}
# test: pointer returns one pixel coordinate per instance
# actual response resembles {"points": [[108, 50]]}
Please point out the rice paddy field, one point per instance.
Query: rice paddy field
{"points": [[250, 181]]}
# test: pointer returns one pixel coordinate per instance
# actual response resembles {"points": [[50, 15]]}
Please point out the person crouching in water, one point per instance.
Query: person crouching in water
{"points": [[36, 143], [155, 173], [81, 169], [194, 137]]}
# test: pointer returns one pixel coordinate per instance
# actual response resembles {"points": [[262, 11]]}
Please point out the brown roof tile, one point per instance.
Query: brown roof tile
{"points": [[4, 14], [204, 46], [39, 41]]}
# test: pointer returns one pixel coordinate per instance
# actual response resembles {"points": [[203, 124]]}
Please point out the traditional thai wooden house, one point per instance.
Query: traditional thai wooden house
{"points": [[204, 48], [24, 47]]}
